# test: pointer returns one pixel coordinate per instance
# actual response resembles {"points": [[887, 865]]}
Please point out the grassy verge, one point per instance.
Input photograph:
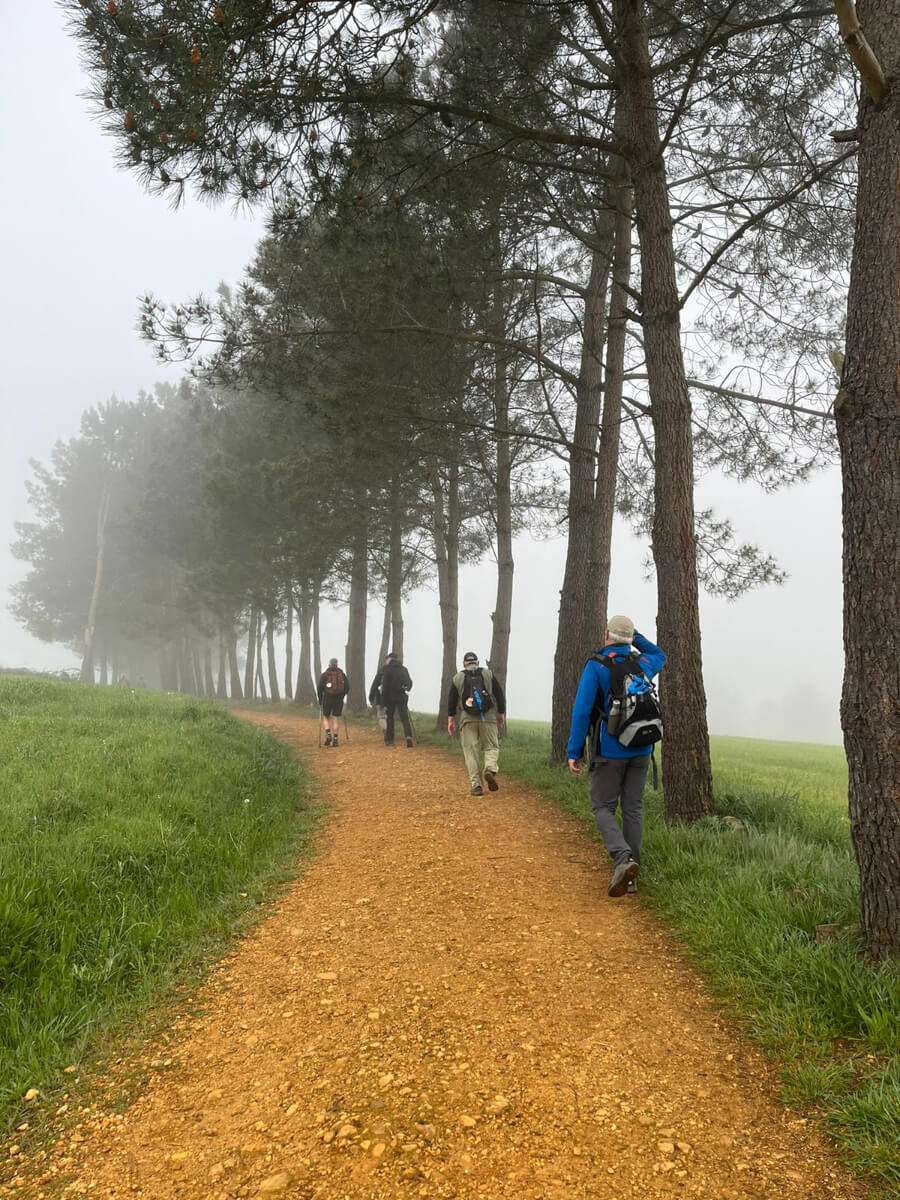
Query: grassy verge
{"points": [[746, 899], [139, 832]]}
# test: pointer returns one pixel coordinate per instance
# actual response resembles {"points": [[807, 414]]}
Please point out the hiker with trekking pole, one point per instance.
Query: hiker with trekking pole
{"points": [[477, 706], [376, 700], [394, 687], [332, 691], [617, 710]]}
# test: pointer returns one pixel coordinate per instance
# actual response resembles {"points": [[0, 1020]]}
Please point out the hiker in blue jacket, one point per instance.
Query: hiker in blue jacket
{"points": [[618, 772]]}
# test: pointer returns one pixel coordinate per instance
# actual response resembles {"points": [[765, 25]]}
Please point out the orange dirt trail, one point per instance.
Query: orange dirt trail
{"points": [[447, 1005]]}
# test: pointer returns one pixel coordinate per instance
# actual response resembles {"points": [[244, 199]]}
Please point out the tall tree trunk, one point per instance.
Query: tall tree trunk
{"points": [[687, 775], [273, 665], [251, 654], [446, 551], [316, 636], [395, 567], [305, 691], [356, 623], [198, 669], [187, 682], [260, 678], [597, 612], [501, 617], [87, 662], [221, 683], [234, 670], [868, 428], [289, 643], [574, 598], [209, 682], [385, 633]]}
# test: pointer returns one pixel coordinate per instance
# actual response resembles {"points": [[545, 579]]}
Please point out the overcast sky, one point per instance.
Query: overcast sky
{"points": [[81, 242]]}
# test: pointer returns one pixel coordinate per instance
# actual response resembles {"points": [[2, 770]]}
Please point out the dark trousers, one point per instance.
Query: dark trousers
{"points": [[401, 707], [612, 780]]}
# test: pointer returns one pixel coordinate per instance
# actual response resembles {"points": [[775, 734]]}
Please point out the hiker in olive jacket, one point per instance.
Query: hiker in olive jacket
{"points": [[477, 704], [395, 687]]}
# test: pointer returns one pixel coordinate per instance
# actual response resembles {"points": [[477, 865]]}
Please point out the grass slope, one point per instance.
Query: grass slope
{"points": [[138, 830], [746, 901]]}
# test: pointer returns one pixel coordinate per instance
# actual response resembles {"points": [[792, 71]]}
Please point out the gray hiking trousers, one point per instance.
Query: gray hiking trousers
{"points": [[612, 780]]}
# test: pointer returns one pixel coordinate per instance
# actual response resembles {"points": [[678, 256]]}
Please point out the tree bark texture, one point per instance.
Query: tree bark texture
{"points": [[251, 655], [611, 422], [446, 552], [198, 670], [260, 677], [316, 638], [289, 644], [687, 774], [305, 689], [356, 622], [868, 428], [574, 598], [237, 692], [385, 633], [273, 665], [501, 617], [209, 682], [395, 568], [221, 681]]}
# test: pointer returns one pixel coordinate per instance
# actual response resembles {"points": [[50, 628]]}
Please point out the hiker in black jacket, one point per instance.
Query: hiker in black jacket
{"points": [[395, 687], [332, 690], [376, 699]]}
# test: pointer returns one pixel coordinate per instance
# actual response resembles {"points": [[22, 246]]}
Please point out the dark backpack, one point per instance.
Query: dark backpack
{"points": [[476, 698], [335, 682], [633, 715]]}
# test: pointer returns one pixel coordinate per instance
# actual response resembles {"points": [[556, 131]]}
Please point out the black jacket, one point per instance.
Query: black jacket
{"points": [[395, 683]]}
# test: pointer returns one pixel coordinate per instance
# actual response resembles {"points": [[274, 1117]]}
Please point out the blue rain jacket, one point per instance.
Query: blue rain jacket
{"points": [[594, 680]]}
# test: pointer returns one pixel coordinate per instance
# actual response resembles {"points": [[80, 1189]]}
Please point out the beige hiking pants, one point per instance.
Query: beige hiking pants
{"points": [[477, 737]]}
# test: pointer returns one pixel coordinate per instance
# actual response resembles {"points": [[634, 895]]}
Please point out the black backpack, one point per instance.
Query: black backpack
{"points": [[634, 717], [475, 698]]}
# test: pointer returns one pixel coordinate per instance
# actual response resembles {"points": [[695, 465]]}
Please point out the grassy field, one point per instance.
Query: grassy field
{"points": [[746, 901], [139, 832]]}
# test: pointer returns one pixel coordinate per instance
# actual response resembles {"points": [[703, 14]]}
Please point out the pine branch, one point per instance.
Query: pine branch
{"points": [[860, 51]]}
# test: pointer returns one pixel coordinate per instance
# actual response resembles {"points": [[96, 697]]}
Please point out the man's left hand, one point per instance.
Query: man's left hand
{"points": [[501, 718]]}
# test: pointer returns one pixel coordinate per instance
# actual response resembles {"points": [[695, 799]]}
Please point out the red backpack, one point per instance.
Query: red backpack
{"points": [[335, 682]]}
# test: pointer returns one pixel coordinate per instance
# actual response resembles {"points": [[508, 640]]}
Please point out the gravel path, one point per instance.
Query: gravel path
{"points": [[447, 1005]]}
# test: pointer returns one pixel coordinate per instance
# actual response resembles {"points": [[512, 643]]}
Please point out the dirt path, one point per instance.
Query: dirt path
{"points": [[447, 1005]]}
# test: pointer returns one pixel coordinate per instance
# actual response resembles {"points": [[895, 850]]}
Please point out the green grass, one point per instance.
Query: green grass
{"points": [[139, 832], [746, 902]]}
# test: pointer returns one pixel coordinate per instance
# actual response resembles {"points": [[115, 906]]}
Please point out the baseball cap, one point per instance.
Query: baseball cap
{"points": [[470, 657]]}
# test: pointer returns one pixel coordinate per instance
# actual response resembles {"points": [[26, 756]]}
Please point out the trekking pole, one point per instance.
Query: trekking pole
{"points": [[321, 719], [346, 732]]}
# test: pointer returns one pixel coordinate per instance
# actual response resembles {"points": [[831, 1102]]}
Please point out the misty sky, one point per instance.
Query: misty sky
{"points": [[81, 242]]}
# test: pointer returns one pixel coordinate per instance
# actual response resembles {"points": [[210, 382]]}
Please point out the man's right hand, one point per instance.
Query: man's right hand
{"points": [[575, 766], [451, 726]]}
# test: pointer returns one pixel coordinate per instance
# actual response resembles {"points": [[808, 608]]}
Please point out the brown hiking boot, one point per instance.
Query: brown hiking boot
{"points": [[490, 778]]}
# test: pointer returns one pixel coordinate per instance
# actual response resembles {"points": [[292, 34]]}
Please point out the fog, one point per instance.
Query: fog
{"points": [[82, 242]]}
